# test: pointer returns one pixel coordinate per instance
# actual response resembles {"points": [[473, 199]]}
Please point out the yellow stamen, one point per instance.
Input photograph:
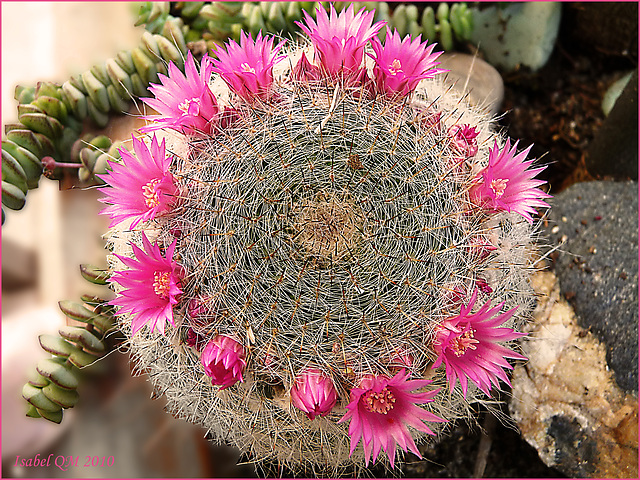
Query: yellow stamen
{"points": [[498, 186], [395, 67], [186, 105], [460, 344], [162, 283], [150, 194], [379, 402]]}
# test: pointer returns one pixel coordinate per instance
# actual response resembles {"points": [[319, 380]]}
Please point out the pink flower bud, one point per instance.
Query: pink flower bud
{"points": [[224, 361], [305, 71], [453, 294], [400, 359], [198, 308], [431, 121], [463, 138], [480, 247], [195, 340], [48, 163], [483, 286], [313, 393]]}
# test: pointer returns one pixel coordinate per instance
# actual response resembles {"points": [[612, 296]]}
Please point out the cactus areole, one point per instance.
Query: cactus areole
{"points": [[323, 218]]}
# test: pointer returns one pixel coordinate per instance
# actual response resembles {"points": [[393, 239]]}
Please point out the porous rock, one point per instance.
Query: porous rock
{"points": [[565, 400]]}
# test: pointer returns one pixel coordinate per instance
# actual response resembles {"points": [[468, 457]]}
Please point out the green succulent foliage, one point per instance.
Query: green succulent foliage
{"points": [[447, 25], [94, 153], [217, 21], [52, 386], [44, 128], [51, 116]]}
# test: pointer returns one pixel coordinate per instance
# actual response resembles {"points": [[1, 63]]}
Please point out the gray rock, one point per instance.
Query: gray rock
{"points": [[597, 265], [475, 76]]}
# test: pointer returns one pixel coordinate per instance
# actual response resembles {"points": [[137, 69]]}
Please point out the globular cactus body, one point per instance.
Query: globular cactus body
{"points": [[323, 223]]}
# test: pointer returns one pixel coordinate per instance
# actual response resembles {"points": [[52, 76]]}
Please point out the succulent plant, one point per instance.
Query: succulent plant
{"points": [[52, 386], [48, 135], [51, 115], [331, 259], [217, 21]]}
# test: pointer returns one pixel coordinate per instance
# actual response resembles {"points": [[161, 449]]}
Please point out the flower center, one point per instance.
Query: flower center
{"points": [[247, 68], [460, 344], [498, 185], [395, 67], [150, 194], [162, 283], [191, 106], [379, 402]]}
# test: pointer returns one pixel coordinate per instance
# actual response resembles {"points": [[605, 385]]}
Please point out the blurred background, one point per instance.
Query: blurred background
{"points": [[42, 247]]}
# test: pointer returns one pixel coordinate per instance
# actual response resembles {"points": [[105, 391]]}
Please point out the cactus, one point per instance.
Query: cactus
{"points": [[50, 116], [337, 219], [52, 386]]}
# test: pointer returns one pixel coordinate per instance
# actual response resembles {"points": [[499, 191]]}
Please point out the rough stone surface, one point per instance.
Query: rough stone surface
{"points": [[565, 400], [595, 226]]}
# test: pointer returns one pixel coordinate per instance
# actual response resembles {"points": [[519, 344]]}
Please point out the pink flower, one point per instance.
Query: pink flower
{"points": [[380, 411], [151, 286], [507, 184], [248, 68], [224, 361], [401, 64], [185, 101], [140, 187], [313, 393], [483, 285], [467, 344], [339, 40], [463, 139]]}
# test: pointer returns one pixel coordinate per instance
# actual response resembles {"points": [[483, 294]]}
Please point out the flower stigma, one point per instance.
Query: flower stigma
{"points": [[395, 67], [498, 186], [461, 343]]}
